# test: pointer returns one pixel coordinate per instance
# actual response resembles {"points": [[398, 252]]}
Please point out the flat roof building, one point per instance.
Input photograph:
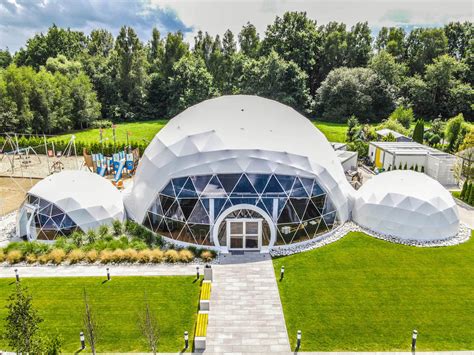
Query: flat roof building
{"points": [[382, 133]]}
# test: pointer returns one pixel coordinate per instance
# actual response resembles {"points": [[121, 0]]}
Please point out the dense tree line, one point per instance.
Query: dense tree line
{"points": [[65, 79]]}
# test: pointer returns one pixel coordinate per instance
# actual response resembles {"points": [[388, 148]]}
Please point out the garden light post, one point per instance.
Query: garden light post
{"points": [[413, 340], [186, 339], [83, 340], [197, 272], [108, 274], [298, 340], [282, 273], [17, 276]]}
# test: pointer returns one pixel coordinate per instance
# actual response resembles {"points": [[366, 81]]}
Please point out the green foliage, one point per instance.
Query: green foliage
{"points": [[464, 188], [394, 125], [403, 115], [249, 41], [5, 58], [359, 146], [423, 45], [405, 167], [354, 91], [22, 322], [455, 131], [418, 132], [352, 128]]}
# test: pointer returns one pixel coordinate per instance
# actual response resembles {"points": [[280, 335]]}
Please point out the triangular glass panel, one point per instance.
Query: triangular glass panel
{"points": [[229, 181], [244, 187], [317, 190], [298, 190], [286, 181], [319, 202], [147, 223], [200, 182], [299, 204], [273, 188], [174, 228], [243, 200], [156, 207], [323, 228], [311, 211], [188, 190], [328, 207], [205, 203], [214, 188], [58, 219], [307, 184], [300, 234], [187, 236], [55, 210], [178, 184], [166, 202], [266, 204], [168, 190], [312, 226], [187, 205], [199, 214], [46, 210], [225, 206], [175, 212], [329, 219], [67, 222], [258, 181], [288, 214]]}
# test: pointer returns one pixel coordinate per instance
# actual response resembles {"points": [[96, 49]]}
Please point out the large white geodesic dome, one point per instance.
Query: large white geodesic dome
{"points": [[408, 205], [233, 134], [85, 199]]}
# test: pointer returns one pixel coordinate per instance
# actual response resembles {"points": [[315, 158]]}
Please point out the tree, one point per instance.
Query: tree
{"points": [[100, 43], [458, 35], [273, 77], [332, 50], [149, 326], [404, 115], [464, 189], [175, 49], [229, 46], [190, 83], [295, 38], [389, 138], [453, 132], [90, 324], [384, 64], [423, 45], [62, 65], [359, 48], [249, 41], [418, 132], [5, 58], [352, 125], [391, 40], [354, 91], [22, 322]]}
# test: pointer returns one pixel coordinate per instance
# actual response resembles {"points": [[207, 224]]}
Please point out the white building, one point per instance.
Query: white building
{"points": [[408, 205], [382, 133], [435, 163]]}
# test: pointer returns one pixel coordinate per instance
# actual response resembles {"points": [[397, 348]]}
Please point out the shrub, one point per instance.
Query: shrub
{"points": [[207, 255], [76, 256], [77, 238], [62, 243], [138, 244], [103, 230], [131, 255], [117, 227], [2, 256], [144, 256], [91, 236], [171, 256], [43, 259], [106, 256], [185, 255], [157, 256], [56, 256], [92, 256], [118, 255], [14, 256], [101, 124], [31, 259]]}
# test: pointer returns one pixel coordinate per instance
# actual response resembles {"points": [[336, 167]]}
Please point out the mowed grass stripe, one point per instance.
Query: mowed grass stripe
{"points": [[364, 294], [116, 303]]}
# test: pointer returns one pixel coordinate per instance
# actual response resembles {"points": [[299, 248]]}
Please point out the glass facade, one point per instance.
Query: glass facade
{"points": [[49, 220], [187, 207]]}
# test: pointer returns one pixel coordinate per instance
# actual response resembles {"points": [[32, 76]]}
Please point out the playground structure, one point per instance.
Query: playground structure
{"points": [[125, 161]]}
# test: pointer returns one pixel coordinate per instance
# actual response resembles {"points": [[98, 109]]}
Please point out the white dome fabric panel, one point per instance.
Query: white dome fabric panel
{"points": [[408, 205], [234, 134], [87, 198]]}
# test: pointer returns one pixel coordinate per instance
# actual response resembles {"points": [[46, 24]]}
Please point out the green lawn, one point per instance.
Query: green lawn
{"points": [[365, 294], [146, 130], [457, 194], [116, 303]]}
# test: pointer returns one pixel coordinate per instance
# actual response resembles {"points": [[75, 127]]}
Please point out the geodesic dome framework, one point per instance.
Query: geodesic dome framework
{"points": [[243, 137], [67, 201], [408, 205]]}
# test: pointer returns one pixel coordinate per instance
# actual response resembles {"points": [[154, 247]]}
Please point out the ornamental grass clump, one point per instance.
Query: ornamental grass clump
{"points": [[172, 256], [207, 255], [106, 256], [56, 256], [75, 256], [157, 255], [92, 256], [31, 258], [14, 256], [2, 256], [144, 256], [131, 255], [185, 256], [43, 259], [118, 256]]}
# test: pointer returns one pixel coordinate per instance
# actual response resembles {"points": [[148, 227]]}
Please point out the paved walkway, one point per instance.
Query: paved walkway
{"points": [[99, 270], [246, 315]]}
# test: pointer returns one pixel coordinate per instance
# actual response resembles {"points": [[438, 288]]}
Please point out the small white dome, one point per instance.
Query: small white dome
{"points": [[87, 198], [408, 205]]}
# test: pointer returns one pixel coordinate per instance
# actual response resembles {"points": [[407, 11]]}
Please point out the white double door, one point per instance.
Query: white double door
{"points": [[244, 233]]}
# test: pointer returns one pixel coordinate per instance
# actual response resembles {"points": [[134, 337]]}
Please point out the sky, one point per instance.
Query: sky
{"points": [[21, 19]]}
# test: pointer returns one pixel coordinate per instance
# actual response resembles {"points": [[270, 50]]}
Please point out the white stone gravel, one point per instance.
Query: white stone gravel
{"points": [[462, 236]]}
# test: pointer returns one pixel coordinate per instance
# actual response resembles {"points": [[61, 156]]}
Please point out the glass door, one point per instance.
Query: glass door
{"points": [[244, 233]]}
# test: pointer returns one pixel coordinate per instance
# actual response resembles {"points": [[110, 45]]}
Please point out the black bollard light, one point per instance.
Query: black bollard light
{"points": [[17, 276], [298, 339], [83, 340], [108, 274], [282, 273], [186, 340], [197, 272], [413, 340]]}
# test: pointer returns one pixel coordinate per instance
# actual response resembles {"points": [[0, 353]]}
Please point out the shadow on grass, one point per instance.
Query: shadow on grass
{"points": [[78, 351]]}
